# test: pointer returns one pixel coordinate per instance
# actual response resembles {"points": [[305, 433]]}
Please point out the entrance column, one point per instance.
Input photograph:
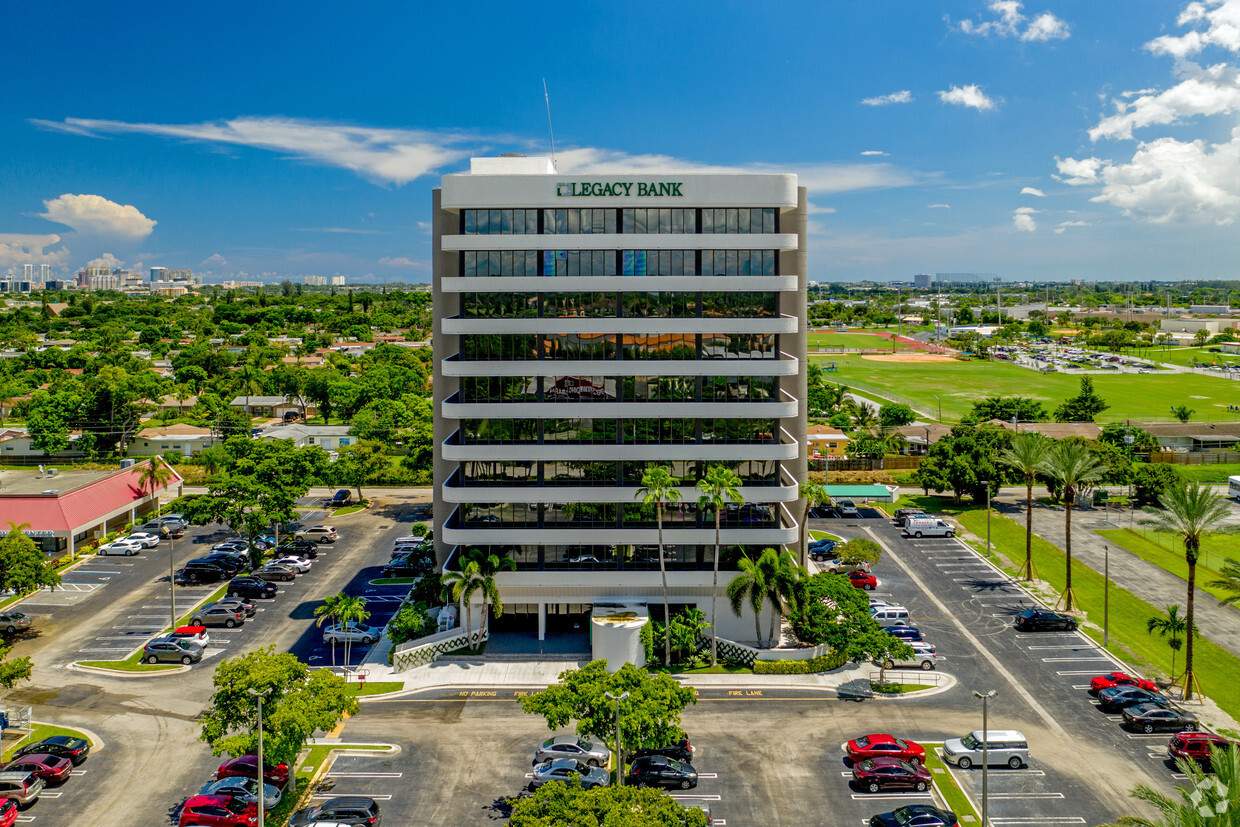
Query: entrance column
{"points": [[542, 620]]}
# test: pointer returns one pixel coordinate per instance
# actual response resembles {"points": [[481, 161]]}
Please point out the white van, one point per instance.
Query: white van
{"points": [[1233, 487], [927, 527], [1005, 747], [890, 615]]}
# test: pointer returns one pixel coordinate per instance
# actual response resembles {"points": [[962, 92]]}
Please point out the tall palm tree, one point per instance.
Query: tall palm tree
{"points": [[329, 612], [720, 486], [772, 578], [153, 476], [490, 563], [1190, 510], [1074, 466], [814, 494], [1171, 626], [782, 587], [1229, 580], [352, 611], [461, 585], [750, 586], [659, 487], [1025, 456]]}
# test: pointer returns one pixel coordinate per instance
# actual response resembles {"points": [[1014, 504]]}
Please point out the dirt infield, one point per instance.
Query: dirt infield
{"points": [[908, 357]]}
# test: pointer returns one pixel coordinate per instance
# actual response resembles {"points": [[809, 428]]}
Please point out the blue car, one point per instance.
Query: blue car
{"points": [[904, 632]]}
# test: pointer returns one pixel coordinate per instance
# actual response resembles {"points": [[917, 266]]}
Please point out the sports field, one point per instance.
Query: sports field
{"points": [[1188, 356], [958, 384], [851, 341]]}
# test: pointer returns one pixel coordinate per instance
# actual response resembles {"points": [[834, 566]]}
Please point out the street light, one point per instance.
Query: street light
{"points": [[987, 484], [985, 696], [619, 748], [172, 584], [1106, 593], [261, 781]]}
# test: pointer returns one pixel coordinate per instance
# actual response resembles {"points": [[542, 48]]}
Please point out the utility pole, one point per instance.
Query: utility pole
{"points": [[619, 746], [987, 484], [1106, 594], [259, 768]]}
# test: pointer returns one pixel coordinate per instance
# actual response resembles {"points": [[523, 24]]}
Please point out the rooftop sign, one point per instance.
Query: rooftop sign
{"points": [[619, 189]]}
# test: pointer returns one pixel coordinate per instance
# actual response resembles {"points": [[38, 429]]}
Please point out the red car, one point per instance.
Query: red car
{"points": [[881, 745], [1101, 682], [8, 812], [51, 768], [218, 811], [878, 774], [863, 580], [1195, 746], [197, 634], [246, 766]]}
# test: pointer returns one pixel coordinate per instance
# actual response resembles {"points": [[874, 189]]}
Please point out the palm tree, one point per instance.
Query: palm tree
{"points": [[750, 586], [1229, 580], [489, 563], [1204, 798], [1074, 466], [1026, 455], [329, 611], [1172, 627], [782, 587], [153, 476], [1190, 510], [814, 494], [862, 415], [772, 579], [659, 487], [352, 611], [720, 486], [461, 584]]}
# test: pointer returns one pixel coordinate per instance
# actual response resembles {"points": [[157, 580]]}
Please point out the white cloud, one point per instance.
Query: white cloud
{"points": [[1009, 20], [1063, 226], [874, 153], [106, 260], [901, 96], [96, 215], [424, 226], [1023, 221], [939, 206], [29, 248], [1217, 24], [1214, 90], [1078, 172], [815, 209], [970, 95], [215, 261], [398, 261], [394, 156], [1034, 191], [1136, 93]]}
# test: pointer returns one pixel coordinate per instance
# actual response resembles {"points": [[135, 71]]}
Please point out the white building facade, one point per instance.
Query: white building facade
{"points": [[589, 327]]}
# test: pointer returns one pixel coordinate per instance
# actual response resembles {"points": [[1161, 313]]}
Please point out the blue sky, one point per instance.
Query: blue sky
{"points": [[279, 139]]}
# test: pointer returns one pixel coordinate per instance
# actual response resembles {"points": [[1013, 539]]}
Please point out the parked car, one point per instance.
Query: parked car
{"points": [[342, 497], [197, 575], [1041, 620], [238, 603], [567, 769], [8, 812], [217, 567], [214, 614], [1196, 746], [1118, 697], [661, 771], [66, 746], [12, 622], [166, 650], [1110, 679], [883, 745], [915, 815], [307, 548], [272, 571], [823, 550], [863, 580], [144, 539], [1003, 746], [232, 545], [878, 774], [174, 519], [244, 788], [119, 548], [905, 633], [193, 634], [297, 564], [319, 534], [923, 526], [22, 788], [924, 657], [847, 508], [890, 615], [53, 769], [252, 588], [572, 746], [682, 751], [351, 633], [409, 567], [218, 811], [350, 810], [246, 766], [1154, 718], [232, 564], [821, 512], [902, 514], [163, 529]]}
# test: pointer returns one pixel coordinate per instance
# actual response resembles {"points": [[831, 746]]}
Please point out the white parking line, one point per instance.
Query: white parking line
{"points": [[1083, 657], [681, 797], [1040, 820], [1136, 736], [1074, 646], [886, 796], [1079, 672], [1020, 796], [1081, 686], [372, 775], [335, 794]]}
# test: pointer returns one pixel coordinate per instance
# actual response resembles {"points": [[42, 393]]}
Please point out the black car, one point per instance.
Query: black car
{"points": [[305, 548], [915, 815], [905, 633], [252, 588], [681, 751], [407, 566], [903, 514], [661, 771], [194, 573], [347, 809], [821, 512], [1153, 718], [1042, 620], [62, 746], [229, 564], [1118, 697]]}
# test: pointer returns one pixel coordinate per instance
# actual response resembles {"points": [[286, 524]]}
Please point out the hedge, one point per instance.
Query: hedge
{"points": [[822, 663]]}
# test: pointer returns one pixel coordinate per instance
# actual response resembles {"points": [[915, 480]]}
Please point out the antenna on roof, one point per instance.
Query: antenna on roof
{"points": [[550, 128]]}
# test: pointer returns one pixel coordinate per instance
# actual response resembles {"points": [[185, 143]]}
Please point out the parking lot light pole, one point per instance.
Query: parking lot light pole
{"points": [[172, 583], [1106, 593], [987, 484], [985, 696], [619, 747], [259, 767]]}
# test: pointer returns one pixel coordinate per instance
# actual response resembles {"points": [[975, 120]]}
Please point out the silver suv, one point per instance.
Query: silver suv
{"points": [[171, 650], [22, 787], [14, 622], [573, 746], [566, 769]]}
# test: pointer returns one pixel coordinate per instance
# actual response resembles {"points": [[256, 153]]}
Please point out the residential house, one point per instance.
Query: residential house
{"points": [[271, 406], [327, 437], [826, 441], [1194, 437], [186, 440]]}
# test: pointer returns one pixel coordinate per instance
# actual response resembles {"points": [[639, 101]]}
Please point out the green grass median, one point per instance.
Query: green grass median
{"points": [[40, 731], [949, 789]]}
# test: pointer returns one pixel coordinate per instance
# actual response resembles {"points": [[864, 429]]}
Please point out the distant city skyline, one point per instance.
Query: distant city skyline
{"points": [[1038, 140]]}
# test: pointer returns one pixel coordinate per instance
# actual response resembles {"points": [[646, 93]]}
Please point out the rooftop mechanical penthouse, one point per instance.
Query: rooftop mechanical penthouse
{"points": [[587, 327]]}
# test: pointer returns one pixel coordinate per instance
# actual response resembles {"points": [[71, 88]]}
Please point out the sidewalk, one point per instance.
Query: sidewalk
{"points": [[1160, 588]]}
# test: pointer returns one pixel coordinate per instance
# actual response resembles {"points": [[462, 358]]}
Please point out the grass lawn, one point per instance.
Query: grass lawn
{"points": [[376, 687], [949, 789], [1166, 552], [961, 383], [1189, 356], [815, 534], [852, 341], [1216, 474], [889, 688], [393, 581], [348, 509], [41, 731]]}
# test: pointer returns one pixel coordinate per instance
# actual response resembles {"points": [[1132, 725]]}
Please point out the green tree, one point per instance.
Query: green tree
{"points": [[359, 463], [1150, 480], [49, 417], [1172, 626], [771, 579], [813, 494], [830, 610], [649, 717], [1132, 439], [1229, 580], [658, 488], [463, 583], [1025, 455], [153, 476], [24, 569], [1206, 797], [568, 805], [1084, 407], [1006, 409], [859, 550], [410, 622], [963, 459], [895, 414], [720, 486], [297, 702], [1182, 412], [1191, 510], [329, 612], [1073, 466]]}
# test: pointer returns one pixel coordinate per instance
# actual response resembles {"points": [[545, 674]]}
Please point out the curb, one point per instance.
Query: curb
{"points": [[325, 767], [76, 666], [948, 684], [96, 743]]}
